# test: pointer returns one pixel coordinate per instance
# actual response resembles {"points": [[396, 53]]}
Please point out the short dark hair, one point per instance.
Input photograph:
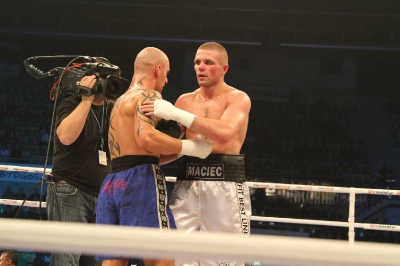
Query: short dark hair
{"points": [[13, 256], [218, 47]]}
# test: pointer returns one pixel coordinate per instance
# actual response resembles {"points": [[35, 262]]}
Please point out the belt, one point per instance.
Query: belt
{"points": [[216, 167]]}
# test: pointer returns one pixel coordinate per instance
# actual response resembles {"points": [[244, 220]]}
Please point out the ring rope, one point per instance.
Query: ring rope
{"points": [[154, 243], [328, 189]]}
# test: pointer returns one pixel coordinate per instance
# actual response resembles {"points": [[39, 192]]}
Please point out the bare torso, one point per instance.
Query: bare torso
{"points": [[224, 106]]}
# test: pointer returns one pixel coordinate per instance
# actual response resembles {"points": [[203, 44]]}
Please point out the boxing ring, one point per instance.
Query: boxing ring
{"points": [[147, 242]]}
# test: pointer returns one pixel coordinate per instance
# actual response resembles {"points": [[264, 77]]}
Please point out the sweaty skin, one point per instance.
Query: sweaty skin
{"points": [[136, 134], [227, 114]]}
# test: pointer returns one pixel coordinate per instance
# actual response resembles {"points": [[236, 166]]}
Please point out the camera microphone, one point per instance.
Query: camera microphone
{"points": [[38, 74], [112, 88]]}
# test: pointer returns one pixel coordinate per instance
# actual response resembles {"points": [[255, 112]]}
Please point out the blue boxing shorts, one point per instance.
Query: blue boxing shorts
{"points": [[134, 194]]}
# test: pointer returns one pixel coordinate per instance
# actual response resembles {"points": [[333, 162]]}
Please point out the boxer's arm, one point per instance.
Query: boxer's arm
{"points": [[146, 135], [167, 111], [153, 140], [221, 130]]}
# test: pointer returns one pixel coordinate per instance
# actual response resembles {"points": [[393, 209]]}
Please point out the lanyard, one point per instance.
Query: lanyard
{"points": [[101, 127]]}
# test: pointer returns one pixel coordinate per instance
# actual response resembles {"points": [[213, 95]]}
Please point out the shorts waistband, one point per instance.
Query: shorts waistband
{"points": [[216, 167], [128, 161]]}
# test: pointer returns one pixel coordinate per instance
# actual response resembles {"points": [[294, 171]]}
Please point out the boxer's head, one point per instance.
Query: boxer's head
{"points": [[153, 63], [210, 64]]}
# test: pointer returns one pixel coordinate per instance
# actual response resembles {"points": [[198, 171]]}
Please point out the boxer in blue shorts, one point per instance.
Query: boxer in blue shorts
{"points": [[135, 194]]}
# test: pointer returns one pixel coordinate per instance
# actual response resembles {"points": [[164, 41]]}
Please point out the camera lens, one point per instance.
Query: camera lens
{"points": [[113, 89]]}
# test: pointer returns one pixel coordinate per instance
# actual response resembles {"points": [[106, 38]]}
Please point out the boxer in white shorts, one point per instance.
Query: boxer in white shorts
{"points": [[210, 195], [205, 197]]}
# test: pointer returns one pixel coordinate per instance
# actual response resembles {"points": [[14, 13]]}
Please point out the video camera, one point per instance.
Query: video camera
{"points": [[109, 83]]}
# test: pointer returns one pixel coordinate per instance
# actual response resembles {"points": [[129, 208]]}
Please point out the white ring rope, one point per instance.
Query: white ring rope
{"points": [[27, 203], [24, 169], [153, 243]]}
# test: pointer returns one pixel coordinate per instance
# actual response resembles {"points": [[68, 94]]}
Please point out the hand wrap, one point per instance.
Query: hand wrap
{"points": [[197, 147], [167, 111]]}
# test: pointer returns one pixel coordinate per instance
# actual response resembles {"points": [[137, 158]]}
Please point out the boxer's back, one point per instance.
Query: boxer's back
{"points": [[127, 122]]}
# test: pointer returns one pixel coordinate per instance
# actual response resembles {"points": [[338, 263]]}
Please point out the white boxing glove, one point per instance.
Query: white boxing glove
{"points": [[167, 111], [197, 147]]}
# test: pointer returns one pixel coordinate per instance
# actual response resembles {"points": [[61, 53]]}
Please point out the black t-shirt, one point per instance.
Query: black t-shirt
{"points": [[78, 163]]}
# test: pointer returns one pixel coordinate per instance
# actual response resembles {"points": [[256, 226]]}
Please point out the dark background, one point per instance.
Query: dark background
{"points": [[119, 29]]}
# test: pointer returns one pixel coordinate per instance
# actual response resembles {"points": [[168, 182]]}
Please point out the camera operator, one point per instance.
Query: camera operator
{"points": [[80, 162]]}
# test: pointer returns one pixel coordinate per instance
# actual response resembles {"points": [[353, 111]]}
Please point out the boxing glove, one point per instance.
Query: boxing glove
{"points": [[169, 127]]}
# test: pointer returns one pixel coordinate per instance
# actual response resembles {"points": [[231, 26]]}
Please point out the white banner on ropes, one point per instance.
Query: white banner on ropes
{"points": [[10, 173], [20, 177]]}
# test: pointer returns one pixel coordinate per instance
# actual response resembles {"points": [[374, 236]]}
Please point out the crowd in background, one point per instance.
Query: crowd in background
{"points": [[25, 123]]}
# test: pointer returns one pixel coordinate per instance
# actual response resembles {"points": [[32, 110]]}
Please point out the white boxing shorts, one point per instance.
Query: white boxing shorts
{"points": [[211, 195]]}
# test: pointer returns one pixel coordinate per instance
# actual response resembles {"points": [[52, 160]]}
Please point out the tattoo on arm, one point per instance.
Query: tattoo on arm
{"points": [[143, 118], [148, 95]]}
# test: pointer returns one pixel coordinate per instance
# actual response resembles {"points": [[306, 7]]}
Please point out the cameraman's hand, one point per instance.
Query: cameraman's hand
{"points": [[71, 126], [88, 82]]}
